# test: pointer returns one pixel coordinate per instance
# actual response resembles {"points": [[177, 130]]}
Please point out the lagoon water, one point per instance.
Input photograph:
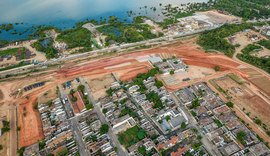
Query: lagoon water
{"points": [[65, 13]]}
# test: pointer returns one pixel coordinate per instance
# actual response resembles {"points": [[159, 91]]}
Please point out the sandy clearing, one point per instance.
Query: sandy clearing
{"points": [[118, 66]]}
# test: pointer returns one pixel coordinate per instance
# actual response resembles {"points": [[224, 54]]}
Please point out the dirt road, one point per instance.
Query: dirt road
{"points": [[126, 66]]}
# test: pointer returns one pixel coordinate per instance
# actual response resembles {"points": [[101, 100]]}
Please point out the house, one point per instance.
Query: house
{"points": [[123, 123]]}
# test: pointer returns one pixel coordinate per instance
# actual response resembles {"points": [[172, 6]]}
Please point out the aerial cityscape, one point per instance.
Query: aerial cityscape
{"points": [[135, 78]]}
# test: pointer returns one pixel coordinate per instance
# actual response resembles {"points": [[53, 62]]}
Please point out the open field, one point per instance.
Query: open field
{"points": [[217, 17], [99, 85], [193, 73], [124, 66], [247, 99], [4, 139], [259, 80]]}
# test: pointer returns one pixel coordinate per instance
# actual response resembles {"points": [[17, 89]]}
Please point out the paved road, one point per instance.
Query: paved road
{"points": [[207, 144], [159, 40], [74, 125], [120, 149], [13, 129], [146, 116], [78, 137]]}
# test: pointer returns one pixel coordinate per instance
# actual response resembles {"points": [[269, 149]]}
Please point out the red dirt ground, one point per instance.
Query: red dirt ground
{"points": [[31, 128]]}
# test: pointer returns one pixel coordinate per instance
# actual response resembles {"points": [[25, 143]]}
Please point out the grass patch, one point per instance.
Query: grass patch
{"points": [[240, 136], [215, 39], [236, 79], [265, 43], [251, 48], [131, 136], [14, 66], [218, 123], [12, 51], [78, 37], [120, 32], [47, 48]]}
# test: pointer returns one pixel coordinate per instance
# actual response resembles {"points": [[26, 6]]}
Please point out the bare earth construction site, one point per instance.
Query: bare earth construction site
{"points": [[234, 81]]}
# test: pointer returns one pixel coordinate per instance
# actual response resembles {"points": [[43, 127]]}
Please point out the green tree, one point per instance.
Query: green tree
{"points": [[81, 88], [230, 104], [71, 92], [168, 118], [104, 129], [217, 68], [183, 125], [142, 150]]}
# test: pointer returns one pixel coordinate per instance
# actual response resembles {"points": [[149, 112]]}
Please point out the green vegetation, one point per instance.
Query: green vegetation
{"points": [[218, 123], [195, 103], [92, 138], [63, 152], [230, 104], [49, 103], [120, 32], [153, 97], [5, 127], [217, 68], [263, 63], [131, 136], [88, 104], [250, 48], [142, 150], [41, 144], [1, 147], [74, 99], [193, 113], [109, 91], [215, 39], [265, 43], [3, 43], [40, 31], [168, 118], [258, 121], [240, 136], [72, 91], [12, 51], [20, 151], [104, 111], [6, 27], [104, 129], [171, 72], [81, 88], [128, 111], [158, 84], [183, 125], [196, 145], [20, 64], [78, 37], [140, 77], [248, 9], [236, 79], [46, 46]]}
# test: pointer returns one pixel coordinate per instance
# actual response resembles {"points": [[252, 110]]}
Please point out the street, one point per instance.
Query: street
{"points": [[74, 124], [120, 149], [207, 144]]}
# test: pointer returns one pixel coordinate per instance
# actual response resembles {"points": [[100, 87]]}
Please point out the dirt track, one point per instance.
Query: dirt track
{"points": [[29, 121]]}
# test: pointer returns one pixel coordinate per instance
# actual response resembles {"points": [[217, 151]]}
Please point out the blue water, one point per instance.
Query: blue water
{"points": [[65, 13]]}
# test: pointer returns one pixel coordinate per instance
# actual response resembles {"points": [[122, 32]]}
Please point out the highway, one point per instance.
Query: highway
{"points": [[104, 50]]}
